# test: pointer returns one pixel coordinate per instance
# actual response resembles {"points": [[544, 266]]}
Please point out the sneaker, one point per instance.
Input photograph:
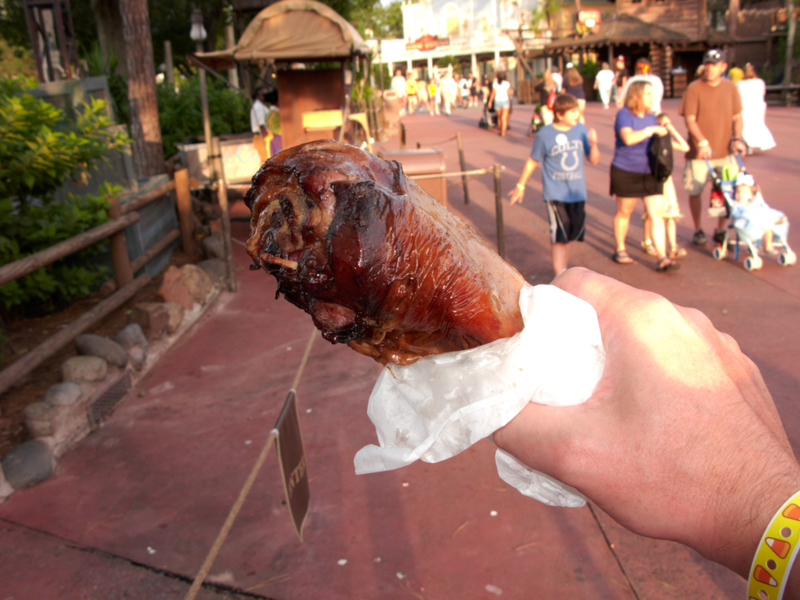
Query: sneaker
{"points": [[719, 236], [699, 238]]}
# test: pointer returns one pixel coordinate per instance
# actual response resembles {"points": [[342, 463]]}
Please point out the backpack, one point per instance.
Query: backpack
{"points": [[551, 100], [660, 157]]}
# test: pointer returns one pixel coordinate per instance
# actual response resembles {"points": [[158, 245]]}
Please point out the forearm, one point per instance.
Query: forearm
{"points": [[737, 126], [527, 171], [594, 154], [694, 131], [631, 137]]}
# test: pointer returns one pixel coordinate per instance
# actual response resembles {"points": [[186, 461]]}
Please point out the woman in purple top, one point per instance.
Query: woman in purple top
{"points": [[631, 178]]}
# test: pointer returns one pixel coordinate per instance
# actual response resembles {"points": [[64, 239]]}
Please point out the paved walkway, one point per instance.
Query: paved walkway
{"points": [[132, 510]]}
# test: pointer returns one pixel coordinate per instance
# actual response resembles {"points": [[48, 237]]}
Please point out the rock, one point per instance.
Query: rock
{"points": [[174, 289], [39, 419], [197, 282], [152, 317], [136, 356], [214, 268], [5, 488], [63, 394], [84, 368], [27, 464], [176, 312], [213, 246], [108, 350], [130, 336]]}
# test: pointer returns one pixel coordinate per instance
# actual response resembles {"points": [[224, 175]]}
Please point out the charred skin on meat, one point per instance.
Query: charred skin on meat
{"points": [[377, 263]]}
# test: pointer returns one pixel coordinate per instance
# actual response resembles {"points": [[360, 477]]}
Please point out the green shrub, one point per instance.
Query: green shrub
{"points": [[181, 117], [39, 151]]}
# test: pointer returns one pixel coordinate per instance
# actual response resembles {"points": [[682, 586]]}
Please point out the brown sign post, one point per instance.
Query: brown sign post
{"points": [[292, 460]]}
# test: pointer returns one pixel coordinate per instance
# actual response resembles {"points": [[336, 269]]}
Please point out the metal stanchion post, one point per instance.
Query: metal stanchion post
{"points": [[498, 208], [463, 168]]}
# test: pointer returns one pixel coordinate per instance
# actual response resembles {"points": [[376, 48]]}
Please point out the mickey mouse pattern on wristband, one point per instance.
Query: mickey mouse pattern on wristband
{"points": [[776, 553]]}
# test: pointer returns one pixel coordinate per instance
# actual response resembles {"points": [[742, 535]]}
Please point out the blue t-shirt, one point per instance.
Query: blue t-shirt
{"points": [[561, 155], [632, 158]]}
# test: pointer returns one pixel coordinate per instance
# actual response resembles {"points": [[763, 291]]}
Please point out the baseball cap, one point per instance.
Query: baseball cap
{"points": [[714, 56]]}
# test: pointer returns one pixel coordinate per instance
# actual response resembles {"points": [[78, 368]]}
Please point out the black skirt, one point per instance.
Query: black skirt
{"points": [[634, 185]]}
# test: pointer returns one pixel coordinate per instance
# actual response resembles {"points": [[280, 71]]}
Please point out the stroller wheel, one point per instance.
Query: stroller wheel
{"points": [[787, 258], [718, 253], [752, 263]]}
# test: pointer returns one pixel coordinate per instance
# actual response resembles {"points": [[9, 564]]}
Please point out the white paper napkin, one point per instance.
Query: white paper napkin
{"points": [[441, 405]]}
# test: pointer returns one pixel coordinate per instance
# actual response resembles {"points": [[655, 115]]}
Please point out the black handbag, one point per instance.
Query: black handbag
{"points": [[660, 157]]}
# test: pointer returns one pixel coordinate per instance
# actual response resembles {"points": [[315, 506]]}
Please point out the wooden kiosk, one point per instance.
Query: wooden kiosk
{"points": [[297, 35]]}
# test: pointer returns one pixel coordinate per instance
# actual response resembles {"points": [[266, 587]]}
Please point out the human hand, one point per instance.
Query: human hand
{"points": [[516, 194], [665, 122], [680, 440], [704, 151], [658, 130], [592, 136], [738, 147]]}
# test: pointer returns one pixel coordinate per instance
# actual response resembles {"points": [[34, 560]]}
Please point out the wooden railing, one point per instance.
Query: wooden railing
{"points": [[121, 216]]}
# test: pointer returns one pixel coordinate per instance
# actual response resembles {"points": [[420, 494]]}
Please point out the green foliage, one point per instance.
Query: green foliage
{"points": [[16, 60], [39, 151], [97, 64], [12, 24], [382, 21], [181, 116], [589, 69], [446, 61]]}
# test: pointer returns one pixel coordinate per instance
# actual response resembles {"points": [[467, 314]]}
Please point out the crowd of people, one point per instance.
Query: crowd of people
{"points": [[441, 94], [715, 113]]}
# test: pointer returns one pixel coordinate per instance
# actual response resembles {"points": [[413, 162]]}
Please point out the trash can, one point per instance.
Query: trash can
{"points": [[424, 161]]}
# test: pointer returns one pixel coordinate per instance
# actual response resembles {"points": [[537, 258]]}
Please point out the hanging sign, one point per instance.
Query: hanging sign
{"points": [[427, 42]]}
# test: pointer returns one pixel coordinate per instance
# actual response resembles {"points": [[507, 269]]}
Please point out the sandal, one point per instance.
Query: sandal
{"points": [[677, 252], [621, 257], [666, 264], [648, 248]]}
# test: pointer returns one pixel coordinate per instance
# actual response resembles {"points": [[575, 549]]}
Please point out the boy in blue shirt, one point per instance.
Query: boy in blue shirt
{"points": [[560, 148]]}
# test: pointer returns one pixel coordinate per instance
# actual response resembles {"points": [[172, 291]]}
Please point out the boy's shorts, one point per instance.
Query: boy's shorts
{"points": [[696, 175], [567, 221]]}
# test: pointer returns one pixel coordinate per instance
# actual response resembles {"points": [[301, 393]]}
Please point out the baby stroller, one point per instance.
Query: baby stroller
{"points": [[489, 118], [735, 196]]}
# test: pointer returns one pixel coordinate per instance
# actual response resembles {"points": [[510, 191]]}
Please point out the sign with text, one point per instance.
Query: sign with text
{"points": [[427, 42], [292, 460]]}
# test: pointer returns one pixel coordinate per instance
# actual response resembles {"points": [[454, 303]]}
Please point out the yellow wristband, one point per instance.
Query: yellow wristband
{"points": [[776, 553]]}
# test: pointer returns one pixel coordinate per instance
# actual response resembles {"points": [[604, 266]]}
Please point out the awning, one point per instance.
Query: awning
{"points": [[294, 30], [621, 28]]}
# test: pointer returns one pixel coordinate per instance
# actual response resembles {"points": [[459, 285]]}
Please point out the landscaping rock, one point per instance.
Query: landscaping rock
{"points": [[63, 394], [27, 464], [5, 488], [152, 317], [174, 289], [214, 246], [130, 336], [97, 345], [39, 419], [136, 356], [84, 368], [197, 281], [176, 312], [214, 268]]}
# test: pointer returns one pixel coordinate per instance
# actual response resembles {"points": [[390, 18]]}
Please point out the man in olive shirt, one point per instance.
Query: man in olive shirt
{"points": [[713, 112]]}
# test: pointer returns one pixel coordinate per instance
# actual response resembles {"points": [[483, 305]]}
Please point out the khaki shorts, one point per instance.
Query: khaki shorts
{"points": [[696, 175]]}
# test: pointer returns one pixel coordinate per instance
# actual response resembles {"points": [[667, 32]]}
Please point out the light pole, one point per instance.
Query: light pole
{"points": [[198, 35]]}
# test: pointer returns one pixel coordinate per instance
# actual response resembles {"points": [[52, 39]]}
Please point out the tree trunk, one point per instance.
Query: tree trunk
{"points": [[148, 157], [109, 32]]}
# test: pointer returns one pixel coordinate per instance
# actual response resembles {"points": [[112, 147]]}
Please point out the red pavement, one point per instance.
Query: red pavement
{"points": [[133, 509]]}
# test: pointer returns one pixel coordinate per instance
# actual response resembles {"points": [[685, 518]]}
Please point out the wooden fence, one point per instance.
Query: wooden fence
{"points": [[121, 216]]}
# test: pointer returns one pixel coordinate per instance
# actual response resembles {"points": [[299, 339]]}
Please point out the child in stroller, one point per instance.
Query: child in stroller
{"points": [[752, 222], [489, 118]]}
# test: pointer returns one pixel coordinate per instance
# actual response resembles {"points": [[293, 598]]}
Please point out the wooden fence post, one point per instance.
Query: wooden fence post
{"points": [[222, 196], [498, 208], [463, 167], [119, 249], [183, 199]]}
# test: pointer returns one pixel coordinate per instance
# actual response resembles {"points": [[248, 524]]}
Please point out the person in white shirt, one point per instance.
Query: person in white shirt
{"points": [[643, 73], [558, 78], [259, 113], [398, 86], [604, 83], [449, 91]]}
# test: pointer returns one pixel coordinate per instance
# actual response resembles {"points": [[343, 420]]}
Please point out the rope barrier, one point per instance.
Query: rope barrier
{"points": [[474, 173], [234, 512], [420, 144]]}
